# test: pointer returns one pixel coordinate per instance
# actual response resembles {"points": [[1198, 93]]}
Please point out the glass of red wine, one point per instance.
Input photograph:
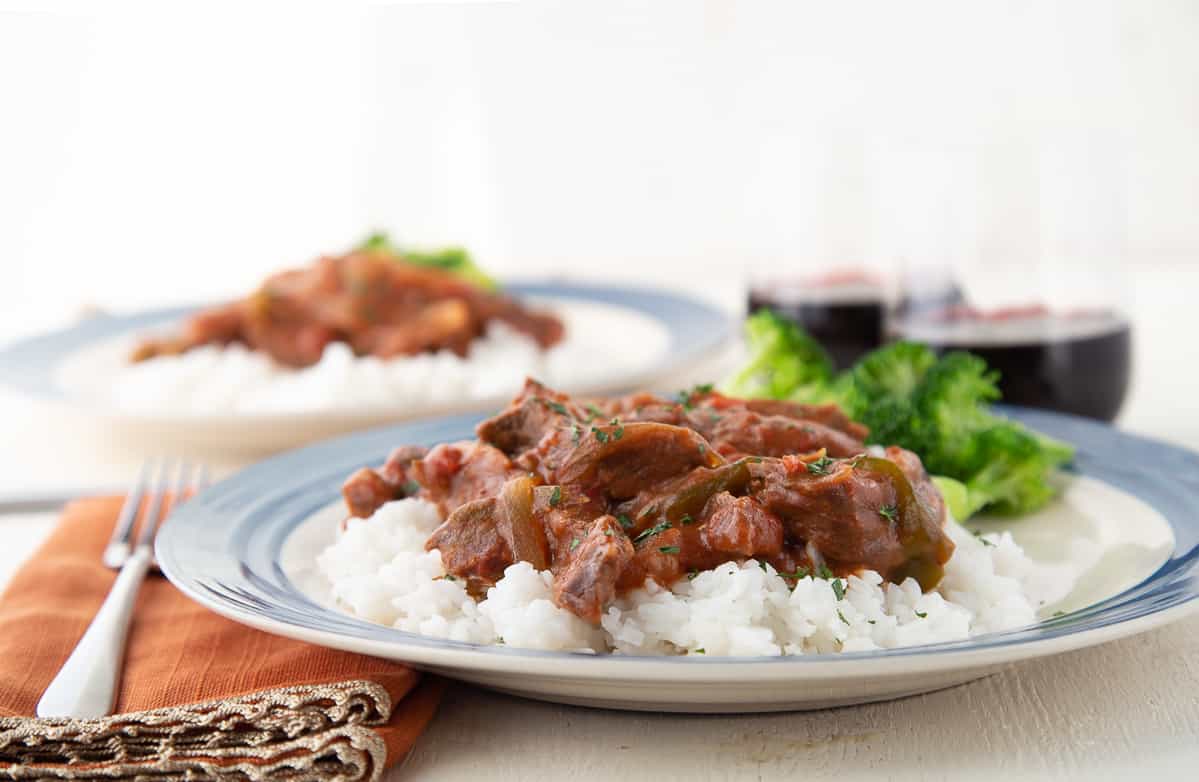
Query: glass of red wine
{"points": [[830, 282], [1040, 291]]}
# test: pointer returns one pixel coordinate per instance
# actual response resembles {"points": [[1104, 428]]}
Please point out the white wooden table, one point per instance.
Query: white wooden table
{"points": [[1126, 710]]}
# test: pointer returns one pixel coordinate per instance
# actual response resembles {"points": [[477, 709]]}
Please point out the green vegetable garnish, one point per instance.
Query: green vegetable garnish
{"points": [[820, 466], [784, 362], [668, 549], [455, 260], [654, 530]]}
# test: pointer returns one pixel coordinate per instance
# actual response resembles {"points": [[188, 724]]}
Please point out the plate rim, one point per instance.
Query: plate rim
{"points": [[1059, 634]]}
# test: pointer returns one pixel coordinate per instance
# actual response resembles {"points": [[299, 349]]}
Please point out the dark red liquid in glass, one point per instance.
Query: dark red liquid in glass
{"points": [[848, 329], [1071, 363]]}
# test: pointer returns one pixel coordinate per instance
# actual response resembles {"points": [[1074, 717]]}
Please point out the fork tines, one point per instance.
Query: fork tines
{"points": [[148, 502]]}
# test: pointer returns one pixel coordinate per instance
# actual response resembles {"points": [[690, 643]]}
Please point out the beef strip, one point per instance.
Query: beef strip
{"points": [[453, 474], [367, 490], [471, 545], [536, 411], [740, 526], [858, 512], [743, 432], [829, 415], [587, 584]]}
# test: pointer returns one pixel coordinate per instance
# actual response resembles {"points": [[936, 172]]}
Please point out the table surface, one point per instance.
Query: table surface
{"points": [[1111, 712]]}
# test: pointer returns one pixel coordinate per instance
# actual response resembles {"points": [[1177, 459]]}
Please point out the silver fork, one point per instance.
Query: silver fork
{"points": [[86, 685]]}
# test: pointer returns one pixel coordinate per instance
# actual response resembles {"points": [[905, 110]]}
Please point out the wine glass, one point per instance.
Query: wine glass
{"points": [[1038, 285]]}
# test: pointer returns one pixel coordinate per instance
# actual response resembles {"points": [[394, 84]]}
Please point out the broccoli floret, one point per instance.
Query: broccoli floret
{"points": [[784, 362], [1012, 468], [891, 373]]}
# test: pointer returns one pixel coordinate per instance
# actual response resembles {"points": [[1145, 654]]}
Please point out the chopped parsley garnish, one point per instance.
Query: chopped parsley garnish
{"points": [[889, 512], [686, 519], [576, 432], [618, 432], [702, 449], [600, 434], [555, 496], [700, 650], [921, 614], [595, 413], [608, 532], [838, 588], [684, 396], [624, 520], [981, 539], [654, 530], [871, 622], [449, 577], [842, 616], [574, 543], [411, 487], [825, 573], [800, 572], [557, 407], [762, 565], [668, 549], [820, 466], [692, 573]]}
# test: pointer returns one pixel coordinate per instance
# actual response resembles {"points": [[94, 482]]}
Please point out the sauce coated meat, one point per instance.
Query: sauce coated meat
{"points": [[373, 301], [608, 493]]}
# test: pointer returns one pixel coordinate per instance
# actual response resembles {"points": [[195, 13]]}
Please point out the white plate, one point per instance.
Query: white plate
{"points": [[1127, 520]]}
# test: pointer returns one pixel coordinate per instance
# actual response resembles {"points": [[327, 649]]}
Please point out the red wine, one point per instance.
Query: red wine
{"points": [[1077, 362], [844, 314]]}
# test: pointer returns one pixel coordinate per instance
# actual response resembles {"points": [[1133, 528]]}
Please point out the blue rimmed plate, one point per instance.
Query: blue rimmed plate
{"points": [[244, 548], [619, 338]]}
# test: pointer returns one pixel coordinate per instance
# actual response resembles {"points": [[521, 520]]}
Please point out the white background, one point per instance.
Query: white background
{"points": [[163, 153]]}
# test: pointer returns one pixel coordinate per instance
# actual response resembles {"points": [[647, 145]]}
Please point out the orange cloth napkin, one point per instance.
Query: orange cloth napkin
{"points": [[201, 696]]}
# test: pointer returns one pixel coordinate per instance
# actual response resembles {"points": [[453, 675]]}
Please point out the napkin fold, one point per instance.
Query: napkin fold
{"points": [[201, 696]]}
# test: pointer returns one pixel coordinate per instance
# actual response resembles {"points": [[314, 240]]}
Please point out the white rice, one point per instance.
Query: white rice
{"points": [[602, 342], [237, 379], [379, 570]]}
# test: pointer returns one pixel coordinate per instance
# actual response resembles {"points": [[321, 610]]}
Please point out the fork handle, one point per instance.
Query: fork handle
{"points": [[86, 685]]}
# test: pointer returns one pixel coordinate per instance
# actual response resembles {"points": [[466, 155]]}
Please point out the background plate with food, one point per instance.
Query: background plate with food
{"points": [[370, 336]]}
